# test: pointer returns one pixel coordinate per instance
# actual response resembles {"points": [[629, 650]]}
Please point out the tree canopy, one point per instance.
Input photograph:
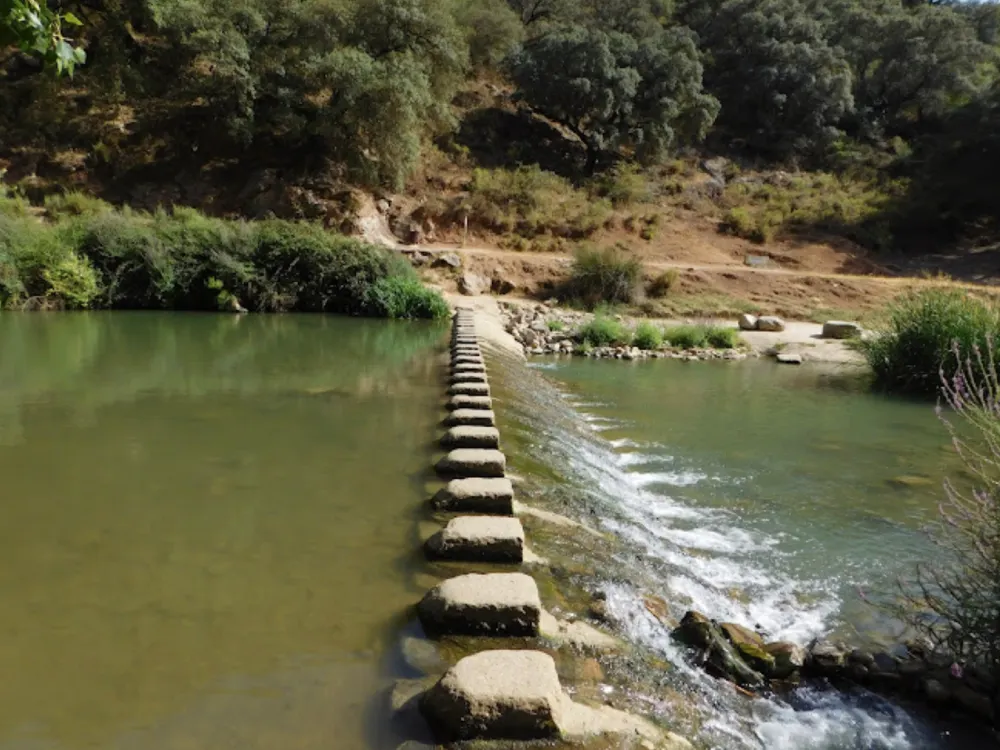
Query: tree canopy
{"points": [[33, 27]]}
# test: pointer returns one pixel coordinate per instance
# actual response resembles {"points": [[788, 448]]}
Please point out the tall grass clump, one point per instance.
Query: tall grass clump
{"points": [[701, 336], [647, 336], [603, 276], [925, 331], [954, 602], [603, 330]]}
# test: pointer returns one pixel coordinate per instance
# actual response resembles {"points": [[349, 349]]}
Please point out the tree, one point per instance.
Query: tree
{"points": [[614, 92], [492, 29], [783, 88], [907, 65], [33, 27]]}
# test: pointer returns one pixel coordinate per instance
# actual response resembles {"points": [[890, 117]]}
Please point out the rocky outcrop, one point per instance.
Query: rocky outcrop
{"points": [[496, 604]]}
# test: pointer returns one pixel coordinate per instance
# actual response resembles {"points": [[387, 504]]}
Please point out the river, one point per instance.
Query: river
{"points": [[211, 527]]}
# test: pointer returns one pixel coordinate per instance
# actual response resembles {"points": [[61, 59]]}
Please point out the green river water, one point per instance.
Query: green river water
{"points": [[210, 524], [206, 525]]}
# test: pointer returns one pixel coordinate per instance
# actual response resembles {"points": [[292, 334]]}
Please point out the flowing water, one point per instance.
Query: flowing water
{"points": [[778, 498], [207, 523]]}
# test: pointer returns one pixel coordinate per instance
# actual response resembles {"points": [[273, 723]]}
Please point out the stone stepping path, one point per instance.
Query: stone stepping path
{"points": [[498, 694]]}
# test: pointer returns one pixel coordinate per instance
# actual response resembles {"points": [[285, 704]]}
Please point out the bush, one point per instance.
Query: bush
{"points": [[555, 325], [702, 336], [72, 281], [647, 336], [603, 331], [603, 276], [74, 203], [661, 285], [623, 184], [404, 296], [920, 335]]}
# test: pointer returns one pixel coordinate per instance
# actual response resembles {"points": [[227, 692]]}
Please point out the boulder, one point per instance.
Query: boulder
{"points": [[770, 323], [496, 604], [496, 695], [480, 417], [750, 646], [719, 655], [473, 462], [788, 659], [447, 260], [479, 539], [469, 389], [748, 322], [840, 329], [500, 284], [826, 659], [493, 496], [469, 402], [789, 359], [472, 284]]}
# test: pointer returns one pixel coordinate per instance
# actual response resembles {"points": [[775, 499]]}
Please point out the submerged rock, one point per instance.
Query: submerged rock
{"points": [[788, 659], [750, 646], [826, 659], [719, 655]]}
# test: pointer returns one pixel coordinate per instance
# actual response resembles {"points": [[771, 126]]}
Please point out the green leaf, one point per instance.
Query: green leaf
{"points": [[80, 55], [72, 20]]}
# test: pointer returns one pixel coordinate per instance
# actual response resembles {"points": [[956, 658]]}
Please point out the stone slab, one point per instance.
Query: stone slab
{"points": [[468, 377], [467, 367], [479, 417], [469, 389], [510, 695], [496, 604], [466, 350], [469, 402], [493, 495], [470, 436], [473, 462], [471, 359], [478, 539]]}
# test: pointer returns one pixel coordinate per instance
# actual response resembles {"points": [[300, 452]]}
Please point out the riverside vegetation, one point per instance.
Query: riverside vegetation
{"points": [[87, 254]]}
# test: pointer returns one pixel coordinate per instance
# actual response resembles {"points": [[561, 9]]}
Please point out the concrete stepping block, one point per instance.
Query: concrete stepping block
{"points": [[467, 359], [468, 377], [489, 495], [467, 350], [469, 389], [465, 340], [479, 417], [497, 539], [469, 402], [498, 604], [471, 436], [468, 367], [506, 695], [473, 462]]}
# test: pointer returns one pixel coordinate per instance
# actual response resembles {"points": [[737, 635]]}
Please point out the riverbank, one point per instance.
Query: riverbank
{"points": [[541, 328]]}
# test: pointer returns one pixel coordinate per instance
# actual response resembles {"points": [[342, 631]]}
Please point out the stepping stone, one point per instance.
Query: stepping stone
{"points": [[492, 496], [468, 377], [469, 389], [469, 402], [473, 462], [468, 367], [478, 539], [467, 359], [466, 338], [471, 437], [499, 604], [478, 417], [503, 695], [467, 349]]}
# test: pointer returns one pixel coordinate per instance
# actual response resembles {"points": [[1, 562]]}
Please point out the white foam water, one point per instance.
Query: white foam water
{"points": [[702, 558]]}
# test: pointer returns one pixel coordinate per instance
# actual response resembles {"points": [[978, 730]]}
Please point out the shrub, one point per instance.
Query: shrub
{"points": [[954, 602], [603, 276], [623, 184], [603, 331], [647, 336], [686, 336], [702, 336], [74, 203], [555, 325], [404, 296], [920, 334], [661, 285], [72, 281]]}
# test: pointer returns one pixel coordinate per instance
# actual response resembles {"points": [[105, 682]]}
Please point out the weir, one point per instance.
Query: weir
{"points": [[498, 694]]}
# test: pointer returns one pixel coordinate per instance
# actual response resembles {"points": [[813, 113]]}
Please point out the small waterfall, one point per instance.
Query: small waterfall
{"points": [[576, 458]]}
